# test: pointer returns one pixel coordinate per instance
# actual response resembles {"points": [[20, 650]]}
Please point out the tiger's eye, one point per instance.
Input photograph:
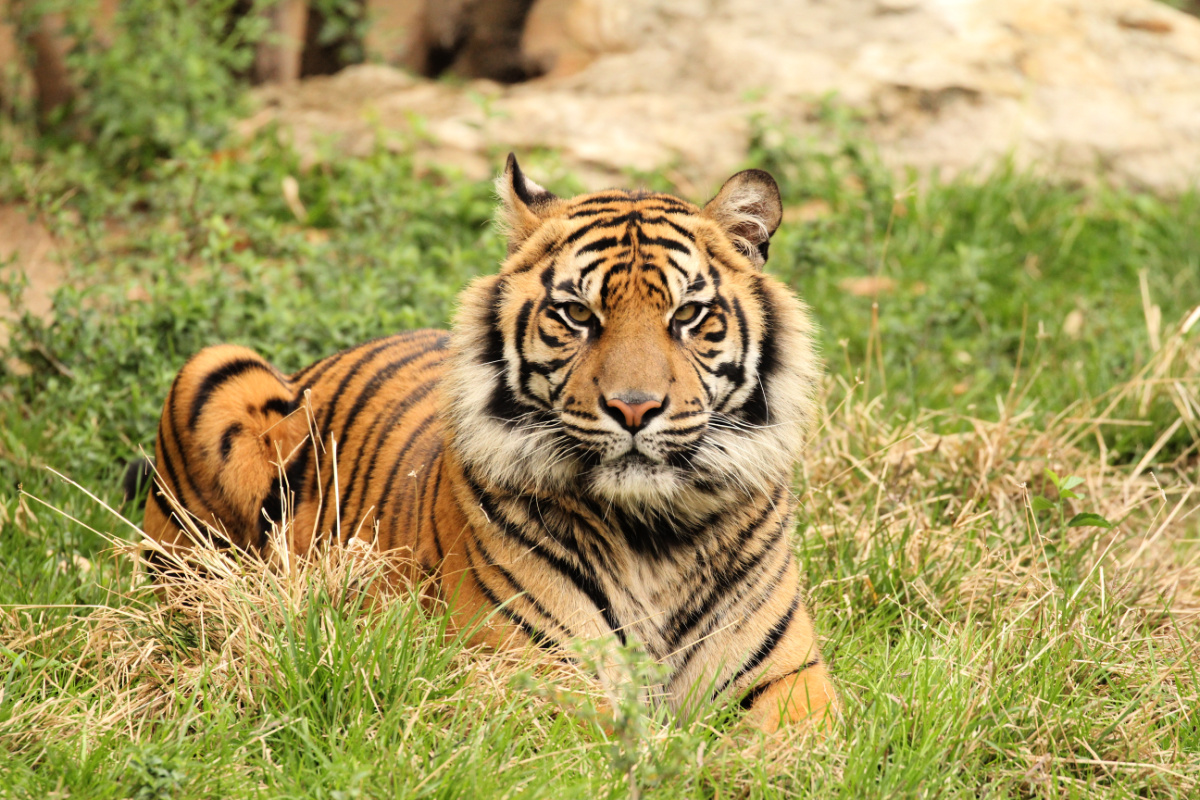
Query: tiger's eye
{"points": [[579, 312], [687, 313]]}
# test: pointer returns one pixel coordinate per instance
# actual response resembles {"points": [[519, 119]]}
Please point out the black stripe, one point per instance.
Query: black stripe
{"points": [[536, 636], [670, 204], [619, 268], [584, 583], [682, 623], [297, 472], [652, 534], [755, 410], [319, 368], [594, 212], [331, 409], [213, 380], [596, 245], [685, 431], [526, 368], [603, 435], [587, 268], [335, 397], [767, 646], [695, 284], [531, 260], [735, 371], [493, 354], [610, 197], [227, 439], [270, 512], [378, 383], [292, 481], [606, 222], [402, 406], [437, 491], [387, 495], [682, 231], [515, 585], [668, 244], [749, 698], [176, 487], [161, 502], [282, 406], [422, 489], [187, 475]]}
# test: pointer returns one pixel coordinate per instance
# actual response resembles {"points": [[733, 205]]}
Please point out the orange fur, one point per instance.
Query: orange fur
{"points": [[506, 462]]}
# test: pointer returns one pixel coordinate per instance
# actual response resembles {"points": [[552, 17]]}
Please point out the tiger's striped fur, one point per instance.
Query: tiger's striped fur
{"points": [[602, 448]]}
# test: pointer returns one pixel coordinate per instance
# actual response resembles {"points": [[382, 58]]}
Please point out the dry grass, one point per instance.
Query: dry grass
{"points": [[994, 585]]}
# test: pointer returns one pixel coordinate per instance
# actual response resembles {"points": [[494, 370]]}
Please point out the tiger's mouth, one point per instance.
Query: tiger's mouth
{"points": [[634, 479], [634, 459]]}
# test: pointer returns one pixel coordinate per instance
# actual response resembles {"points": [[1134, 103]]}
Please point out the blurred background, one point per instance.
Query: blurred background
{"points": [[1076, 87]]}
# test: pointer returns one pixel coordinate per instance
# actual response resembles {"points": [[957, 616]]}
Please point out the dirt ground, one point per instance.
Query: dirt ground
{"points": [[27, 247]]}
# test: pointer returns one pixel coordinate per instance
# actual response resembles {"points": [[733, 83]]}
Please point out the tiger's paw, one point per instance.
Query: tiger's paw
{"points": [[804, 700]]}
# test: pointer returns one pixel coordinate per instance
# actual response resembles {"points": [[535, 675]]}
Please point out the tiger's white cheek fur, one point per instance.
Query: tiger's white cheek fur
{"points": [[515, 456]]}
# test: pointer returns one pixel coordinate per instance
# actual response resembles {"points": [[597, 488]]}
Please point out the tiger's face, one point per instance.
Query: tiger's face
{"points": [[631, 348]]}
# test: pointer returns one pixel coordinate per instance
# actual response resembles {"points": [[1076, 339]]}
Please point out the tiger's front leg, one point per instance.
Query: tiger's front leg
{"points": [[794, 688]]}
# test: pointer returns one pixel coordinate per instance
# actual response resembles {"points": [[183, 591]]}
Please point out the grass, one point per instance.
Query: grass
{"points": [[978, 333]]}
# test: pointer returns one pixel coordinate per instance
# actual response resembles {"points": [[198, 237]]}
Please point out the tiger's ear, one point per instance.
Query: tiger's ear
{"points": [[749, 209], [523, 204]]}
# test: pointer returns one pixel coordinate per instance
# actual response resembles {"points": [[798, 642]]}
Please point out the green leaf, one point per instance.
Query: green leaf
{"points": [[1070, 482], [1053, 478], [1088, 519], [1040, 503]]}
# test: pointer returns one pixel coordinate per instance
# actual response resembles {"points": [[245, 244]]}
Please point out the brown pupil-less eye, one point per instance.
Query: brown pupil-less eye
{"points": [[687, 313], [579, 312]]}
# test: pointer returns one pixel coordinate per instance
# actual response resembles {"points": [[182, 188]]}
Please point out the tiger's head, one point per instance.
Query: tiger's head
{"points": [[632, 348]]}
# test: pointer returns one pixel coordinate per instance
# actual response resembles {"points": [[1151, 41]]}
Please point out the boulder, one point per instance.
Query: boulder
{"points": [[1079, 88]]}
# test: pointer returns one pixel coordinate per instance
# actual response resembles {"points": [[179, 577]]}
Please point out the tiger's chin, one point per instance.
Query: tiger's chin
{"points": [[634, 481]]}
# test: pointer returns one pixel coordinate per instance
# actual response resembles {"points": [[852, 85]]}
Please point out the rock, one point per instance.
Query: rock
{"points": [[1080, 88]]}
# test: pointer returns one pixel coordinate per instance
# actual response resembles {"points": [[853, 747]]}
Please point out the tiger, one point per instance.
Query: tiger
{"points": [[601, 448]]}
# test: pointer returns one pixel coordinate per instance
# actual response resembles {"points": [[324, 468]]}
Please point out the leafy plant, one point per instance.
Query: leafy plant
{"points": [[152, 777], [167, 82], [1066, 491]]}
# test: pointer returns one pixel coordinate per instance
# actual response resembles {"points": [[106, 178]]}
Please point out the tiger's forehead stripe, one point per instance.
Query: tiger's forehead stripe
{"points": [[637, 237], [609, 212]]}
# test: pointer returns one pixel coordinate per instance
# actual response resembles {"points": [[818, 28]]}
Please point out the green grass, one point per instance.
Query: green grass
{"points": [[984, 649]]}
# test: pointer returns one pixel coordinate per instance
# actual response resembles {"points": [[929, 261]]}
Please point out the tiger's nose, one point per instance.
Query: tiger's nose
{"points": [[632, 410]]}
